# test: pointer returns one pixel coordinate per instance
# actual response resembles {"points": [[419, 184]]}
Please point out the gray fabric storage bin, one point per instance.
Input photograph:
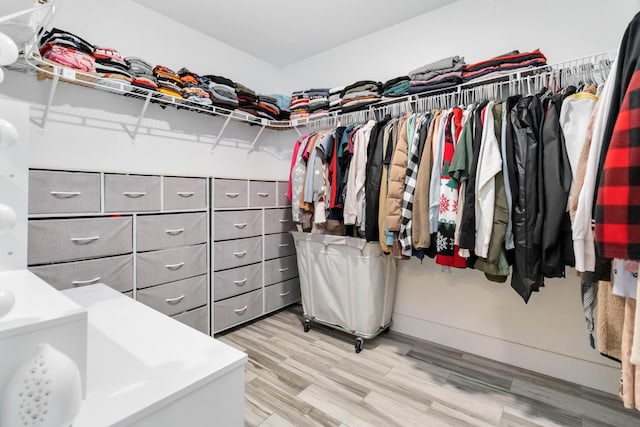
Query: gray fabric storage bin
{"points": [[63, 192], [56, 240], [166, 231], [198, 319], [278, 221], [236, 253], [175, 297], [233, 311], [116, 272], [169, 265], [262, 194], [278, 246], [229, 283], [230, 193], [236, 224], [184, 193], [131, 193], [281, 294]]}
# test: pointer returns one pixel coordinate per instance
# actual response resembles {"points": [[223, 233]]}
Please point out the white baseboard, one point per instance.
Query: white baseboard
{"points": [[603, 376]]}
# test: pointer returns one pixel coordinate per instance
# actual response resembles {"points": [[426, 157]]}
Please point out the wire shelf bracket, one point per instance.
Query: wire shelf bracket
{"points": [[219, 137]]}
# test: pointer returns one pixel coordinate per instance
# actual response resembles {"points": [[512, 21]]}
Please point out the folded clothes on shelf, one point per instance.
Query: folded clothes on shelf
{"points": [[503, 64]]}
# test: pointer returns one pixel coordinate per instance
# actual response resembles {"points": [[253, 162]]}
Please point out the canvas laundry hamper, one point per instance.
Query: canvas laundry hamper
{"points": [[346, 283]]}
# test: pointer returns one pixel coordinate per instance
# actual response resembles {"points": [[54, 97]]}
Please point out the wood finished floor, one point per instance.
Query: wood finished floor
{"points": [[316, 379]]}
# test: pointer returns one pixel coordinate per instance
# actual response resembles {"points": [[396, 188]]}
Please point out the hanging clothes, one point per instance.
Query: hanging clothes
{"points": [[374, 172], [557, 249], [354, 200], [527, 210], [447, 252], [397, 172], [420, 232]]}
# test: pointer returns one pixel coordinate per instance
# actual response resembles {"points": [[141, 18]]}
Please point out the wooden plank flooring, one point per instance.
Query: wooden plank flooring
{"points": [[316, 379]]}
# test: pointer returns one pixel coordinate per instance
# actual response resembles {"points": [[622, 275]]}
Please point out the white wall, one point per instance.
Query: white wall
{"points": [[475, 29], [461, 309]]}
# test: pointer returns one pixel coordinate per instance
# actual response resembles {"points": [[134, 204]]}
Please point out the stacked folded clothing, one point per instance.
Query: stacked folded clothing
{"points": [[142, 73], [169, 82], [223, 92], [396, 87], [247, 99], [67, 49], [334, 98], [268, 107], [109, 63], [194, 87], [283, 102], [299, 105], [318, 102], [359, 95], [440, 74], [503, 64]]}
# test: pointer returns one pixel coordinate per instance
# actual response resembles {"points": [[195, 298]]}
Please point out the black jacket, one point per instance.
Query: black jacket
{"points": [[527, 213], [557, 244], [373, 179]]}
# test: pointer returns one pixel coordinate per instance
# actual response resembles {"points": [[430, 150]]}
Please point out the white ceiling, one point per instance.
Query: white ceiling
{"points": [[282, 32]]}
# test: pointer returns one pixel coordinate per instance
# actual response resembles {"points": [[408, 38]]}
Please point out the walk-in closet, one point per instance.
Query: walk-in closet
{"points": [[348, 213]]}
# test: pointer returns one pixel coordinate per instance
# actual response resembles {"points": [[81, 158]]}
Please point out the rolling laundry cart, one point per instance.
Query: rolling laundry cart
{"points": [[346, 283]]}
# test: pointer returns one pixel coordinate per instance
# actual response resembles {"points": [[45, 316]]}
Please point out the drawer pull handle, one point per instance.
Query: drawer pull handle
{"points": [[186, 194], [174, 266], [240, 254], [175, 300], [283, 245], [84, 240], [232, 195], [240, 282], [285, 294], [85, 282], [283, 221], [65, 194], [283, 269], [241, 310], [174, 232], [263, 194], [240, 226], [134, 194]]}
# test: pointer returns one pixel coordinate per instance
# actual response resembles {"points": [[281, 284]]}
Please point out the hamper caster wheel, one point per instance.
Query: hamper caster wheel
{"points": [[359, 344], [307, 325]]}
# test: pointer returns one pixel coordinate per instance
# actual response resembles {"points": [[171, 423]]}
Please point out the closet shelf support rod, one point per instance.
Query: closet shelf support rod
{"points": [[253, 144], [141, 116], [52, 92], [219, 137]]}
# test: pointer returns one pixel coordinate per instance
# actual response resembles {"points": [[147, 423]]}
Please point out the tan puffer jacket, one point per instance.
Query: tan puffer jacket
{"points": [[397, 175]]}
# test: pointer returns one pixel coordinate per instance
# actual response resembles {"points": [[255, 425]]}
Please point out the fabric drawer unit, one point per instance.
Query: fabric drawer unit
{"points": [[262, 194], [236, 253], [230, 193], [282, 194], [278, 245], [184, 193], [116, 272], [131, 193], [168, 231], [176, 297], [278, 221], [74, 239], [237, 224], [229, 283], [233, 311], [198, 319], [281, 294], [169, 265], [63, 192], [280, 269]]}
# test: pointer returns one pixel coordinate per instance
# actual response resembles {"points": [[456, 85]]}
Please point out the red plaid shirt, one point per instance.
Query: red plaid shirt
{"points": [[617, 214]]}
